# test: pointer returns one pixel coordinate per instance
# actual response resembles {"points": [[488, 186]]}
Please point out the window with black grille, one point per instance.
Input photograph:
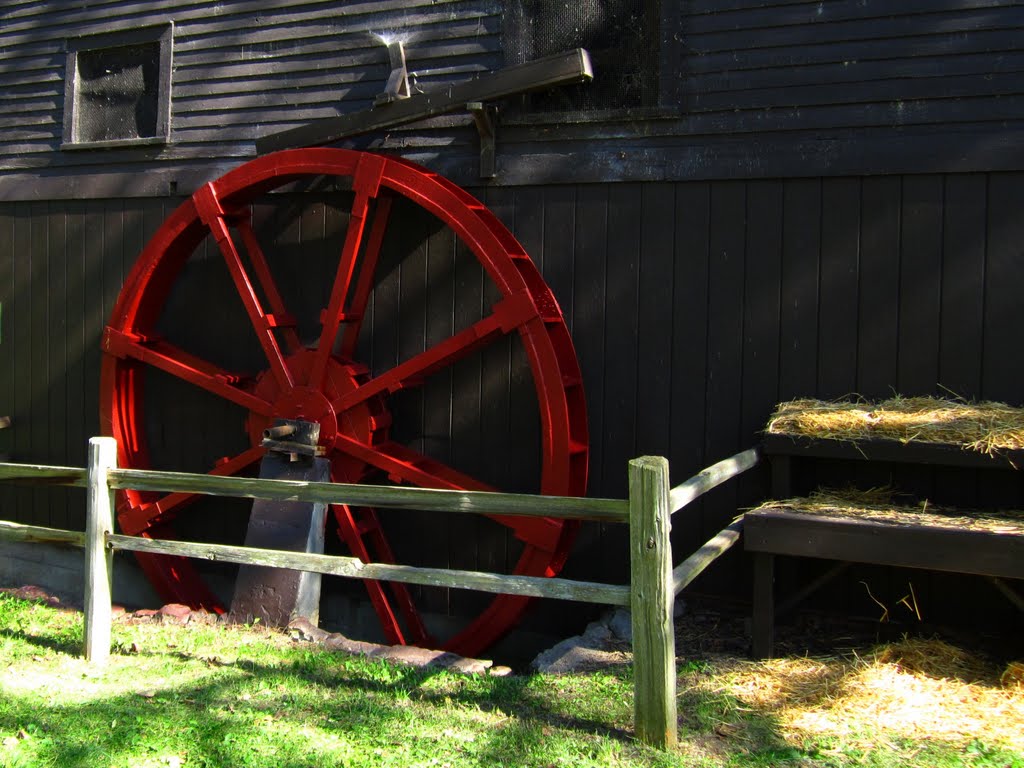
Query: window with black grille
{"points": [[118, 89], [621, 36]]}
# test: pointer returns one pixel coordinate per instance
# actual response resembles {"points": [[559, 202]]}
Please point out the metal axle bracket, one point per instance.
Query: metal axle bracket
{"points": [[293, 437]]}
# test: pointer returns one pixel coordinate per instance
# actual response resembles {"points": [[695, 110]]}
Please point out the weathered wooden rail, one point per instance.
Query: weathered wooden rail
{"points": [[651, 593]]}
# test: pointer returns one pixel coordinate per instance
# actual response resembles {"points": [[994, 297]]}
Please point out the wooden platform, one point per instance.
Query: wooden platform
{"points": [[937, 547], [920, 539]]}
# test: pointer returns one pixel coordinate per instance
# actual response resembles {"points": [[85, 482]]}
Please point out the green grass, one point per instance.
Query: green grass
{"points": [[220, 696]]}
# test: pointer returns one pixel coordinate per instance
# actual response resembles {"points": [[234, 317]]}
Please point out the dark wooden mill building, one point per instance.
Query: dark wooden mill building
{"points": [[753, 201]]}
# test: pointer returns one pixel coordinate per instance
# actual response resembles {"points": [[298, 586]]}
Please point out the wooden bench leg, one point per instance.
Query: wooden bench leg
{"points": [[763, 624], [782, 477]]}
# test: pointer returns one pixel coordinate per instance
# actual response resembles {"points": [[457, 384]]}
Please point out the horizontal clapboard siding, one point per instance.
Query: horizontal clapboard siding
{"points": [[747, 90], [810, 55], [240, 69]]}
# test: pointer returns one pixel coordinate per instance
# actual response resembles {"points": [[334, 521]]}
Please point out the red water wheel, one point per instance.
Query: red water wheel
{"points": [[332, 373]]}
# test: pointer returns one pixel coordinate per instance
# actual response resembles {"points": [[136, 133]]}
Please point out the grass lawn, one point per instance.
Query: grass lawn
{"points": [[228, 696]]}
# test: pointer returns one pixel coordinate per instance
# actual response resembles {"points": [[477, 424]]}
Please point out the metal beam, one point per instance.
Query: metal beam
{"points": [[557, 69]]}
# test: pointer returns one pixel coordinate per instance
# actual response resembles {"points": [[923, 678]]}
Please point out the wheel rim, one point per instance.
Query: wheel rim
{"points": [[325, 382]]}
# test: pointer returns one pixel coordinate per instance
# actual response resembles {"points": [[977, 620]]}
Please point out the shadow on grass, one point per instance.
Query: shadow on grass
{"points": [[41, 641], [726, 725], [71, 645], [218, 723], [315, 708]]}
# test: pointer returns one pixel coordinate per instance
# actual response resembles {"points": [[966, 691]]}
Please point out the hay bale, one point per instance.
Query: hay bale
{"points": [[986, 427], [882, 505], [1013, 675]]}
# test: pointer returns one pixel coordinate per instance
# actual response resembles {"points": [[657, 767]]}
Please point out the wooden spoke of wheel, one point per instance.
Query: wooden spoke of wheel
{"points": [[355, 527]]}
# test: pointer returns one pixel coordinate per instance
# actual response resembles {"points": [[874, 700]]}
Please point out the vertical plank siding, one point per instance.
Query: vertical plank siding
{"points": [[654, 345], [840, 249], [689, 322], [619, 328], [878, 307], [743, 293], [588, 309], [963, 282], [801, 243], [1002, 364], [920, 265]]}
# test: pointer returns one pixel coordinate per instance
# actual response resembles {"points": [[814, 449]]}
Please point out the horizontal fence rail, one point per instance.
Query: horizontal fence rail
{"points": [[651, 592], [711, 477], [428, 499], [37, 534], [39, 474], [692, 567], [351, 567]]}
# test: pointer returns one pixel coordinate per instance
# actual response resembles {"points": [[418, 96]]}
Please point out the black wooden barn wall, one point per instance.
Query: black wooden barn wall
{"points": [[825, 199]]}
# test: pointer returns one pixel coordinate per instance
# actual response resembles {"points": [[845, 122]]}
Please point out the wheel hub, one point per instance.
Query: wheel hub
{"points": [[306, 404], [366, 422]]}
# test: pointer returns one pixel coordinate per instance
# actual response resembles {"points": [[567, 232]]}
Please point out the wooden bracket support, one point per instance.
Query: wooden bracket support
{"points": [[539, 75], [486, 118], [397, 86]]}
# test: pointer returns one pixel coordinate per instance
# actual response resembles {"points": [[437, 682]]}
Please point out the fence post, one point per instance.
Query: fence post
{"points": [[652, 600], [99, 521]]}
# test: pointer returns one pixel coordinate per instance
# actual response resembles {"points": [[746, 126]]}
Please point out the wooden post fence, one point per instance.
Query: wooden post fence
{"points": [[99, 524], [648, 512], [653, 598]]}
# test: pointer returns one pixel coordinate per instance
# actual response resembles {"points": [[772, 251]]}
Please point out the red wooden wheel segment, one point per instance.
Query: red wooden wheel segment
{"points": [[323, 379]]}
